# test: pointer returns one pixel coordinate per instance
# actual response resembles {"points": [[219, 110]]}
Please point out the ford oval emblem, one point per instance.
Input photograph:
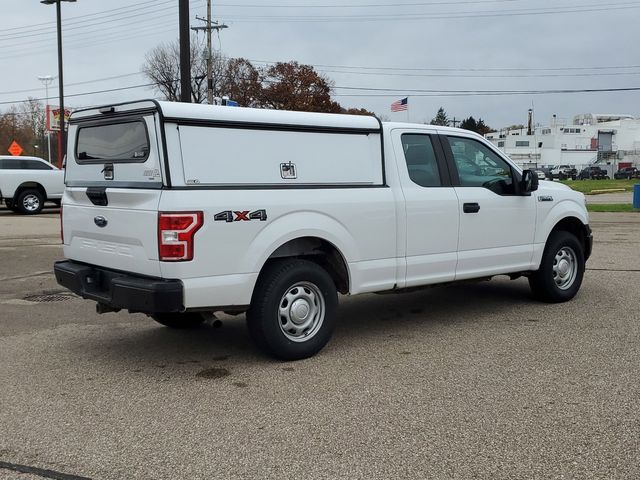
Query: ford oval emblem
{"points": [[100, 221]]}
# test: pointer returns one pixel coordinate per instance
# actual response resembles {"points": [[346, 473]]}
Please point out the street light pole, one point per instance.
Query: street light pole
{"points": [[62, 144], [47, 80]]}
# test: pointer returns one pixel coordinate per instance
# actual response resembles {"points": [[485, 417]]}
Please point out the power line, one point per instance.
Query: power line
{"points": [[362, 5], [115, 77], [88, 93], [433, 16], [457, 75], [112, 37], [477, 93], [457, 69], [153, 15], [388, 92], [71, 20]]}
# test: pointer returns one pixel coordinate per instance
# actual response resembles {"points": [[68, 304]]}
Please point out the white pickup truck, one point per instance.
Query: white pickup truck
{"points": [[179, 210], [27, 182]]}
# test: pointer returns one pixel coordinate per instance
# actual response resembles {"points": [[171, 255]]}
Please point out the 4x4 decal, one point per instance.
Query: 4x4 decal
{"points": [[240, 216]]}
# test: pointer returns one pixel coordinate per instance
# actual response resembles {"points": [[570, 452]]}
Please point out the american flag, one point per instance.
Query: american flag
{"points": [[400, 105]]}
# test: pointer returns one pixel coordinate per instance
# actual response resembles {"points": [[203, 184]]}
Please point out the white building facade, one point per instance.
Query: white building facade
{"points": [[612, 141]]}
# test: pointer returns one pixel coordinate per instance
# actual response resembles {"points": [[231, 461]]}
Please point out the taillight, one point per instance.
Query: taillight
{"points": [[175, 235], [61, 226]]}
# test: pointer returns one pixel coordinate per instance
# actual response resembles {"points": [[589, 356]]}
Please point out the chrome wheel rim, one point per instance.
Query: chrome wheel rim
{"points": [[301, 312], [31, 203], [565, 268]]}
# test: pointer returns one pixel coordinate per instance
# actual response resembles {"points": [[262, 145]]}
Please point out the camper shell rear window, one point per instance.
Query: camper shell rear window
{"points": [[123, 141]]}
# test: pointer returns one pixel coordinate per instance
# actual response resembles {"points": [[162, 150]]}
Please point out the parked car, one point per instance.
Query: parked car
{"points": [[176, 209], [540, 173], [627, 173], [26, 183], [563, 172], [593, 173]]}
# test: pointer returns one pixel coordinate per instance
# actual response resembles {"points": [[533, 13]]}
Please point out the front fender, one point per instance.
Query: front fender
{"points": [[561, 210]]}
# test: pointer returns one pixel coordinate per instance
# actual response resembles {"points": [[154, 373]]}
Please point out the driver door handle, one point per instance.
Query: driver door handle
{"points": [[471, 207]]}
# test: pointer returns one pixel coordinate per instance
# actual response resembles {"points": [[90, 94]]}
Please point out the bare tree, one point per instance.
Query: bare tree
{"points": [[242, 83], [162, 66], [26, 125]]}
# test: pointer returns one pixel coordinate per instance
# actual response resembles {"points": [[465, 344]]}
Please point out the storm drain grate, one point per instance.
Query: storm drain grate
{"points": [[48, 297]]}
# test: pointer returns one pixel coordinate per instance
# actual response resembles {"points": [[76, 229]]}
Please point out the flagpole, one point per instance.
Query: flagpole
{"points": [[408, 106]]}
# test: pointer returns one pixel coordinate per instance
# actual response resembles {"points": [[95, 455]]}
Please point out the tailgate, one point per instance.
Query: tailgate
{"points": [[113, 187], [121, 236]]}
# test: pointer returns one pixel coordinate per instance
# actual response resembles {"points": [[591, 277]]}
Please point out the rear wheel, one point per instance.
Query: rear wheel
{"points": [[179, 320], [29, 202], [561, 269], [293, 309]]}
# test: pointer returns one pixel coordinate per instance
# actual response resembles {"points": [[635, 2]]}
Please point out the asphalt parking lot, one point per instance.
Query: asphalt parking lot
{"points": [[468, 381]]}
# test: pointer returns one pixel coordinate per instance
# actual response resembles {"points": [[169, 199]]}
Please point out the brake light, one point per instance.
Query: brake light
{"points": [[61, 226], [175, 235]]}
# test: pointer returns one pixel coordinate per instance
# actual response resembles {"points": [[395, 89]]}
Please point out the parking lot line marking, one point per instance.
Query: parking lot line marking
{"points": [[20, 277], [39, 472], [614, 269]]}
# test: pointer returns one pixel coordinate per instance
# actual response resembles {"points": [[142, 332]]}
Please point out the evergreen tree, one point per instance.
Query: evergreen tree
{"points": [[441, 118], [483, 128], [469, 124]]}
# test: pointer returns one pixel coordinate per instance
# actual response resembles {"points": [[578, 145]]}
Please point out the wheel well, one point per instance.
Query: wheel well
{"points": [[574, 226], [319, 251], [29, 186]]}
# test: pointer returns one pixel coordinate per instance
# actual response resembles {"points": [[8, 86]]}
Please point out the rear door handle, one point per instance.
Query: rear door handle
{"points": [[471, 208]]}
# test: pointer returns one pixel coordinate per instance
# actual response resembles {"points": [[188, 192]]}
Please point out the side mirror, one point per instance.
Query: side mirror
{"points": [[529, 182]]}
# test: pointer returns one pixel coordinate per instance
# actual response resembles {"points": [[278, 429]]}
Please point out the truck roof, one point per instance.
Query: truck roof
{"points": [[196, 111], [426, 126]]}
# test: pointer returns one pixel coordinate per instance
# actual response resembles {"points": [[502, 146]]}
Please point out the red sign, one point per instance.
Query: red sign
{"points": [[53, 118], [15, 149]]}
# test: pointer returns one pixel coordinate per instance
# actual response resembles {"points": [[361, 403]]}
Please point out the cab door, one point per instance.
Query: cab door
{"points": [[497, 224], [431, 207]]}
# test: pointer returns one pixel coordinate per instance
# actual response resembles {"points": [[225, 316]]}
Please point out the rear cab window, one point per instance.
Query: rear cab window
{"points": [[420, 156]]}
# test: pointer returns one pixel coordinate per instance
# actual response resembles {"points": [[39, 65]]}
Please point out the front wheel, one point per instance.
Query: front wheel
{"points": [[561, 269], [293, 309]]}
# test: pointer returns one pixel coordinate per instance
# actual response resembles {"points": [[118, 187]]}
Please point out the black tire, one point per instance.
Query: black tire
{"points": [[29, 202], [180, 321], [543, 282], [277, 288]]}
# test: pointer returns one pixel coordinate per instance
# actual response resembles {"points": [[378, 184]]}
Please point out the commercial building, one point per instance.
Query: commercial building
{"points": [[611, 141]]}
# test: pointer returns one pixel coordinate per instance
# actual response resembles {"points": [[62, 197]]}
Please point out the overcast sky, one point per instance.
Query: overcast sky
{"points": [[419, 45]]}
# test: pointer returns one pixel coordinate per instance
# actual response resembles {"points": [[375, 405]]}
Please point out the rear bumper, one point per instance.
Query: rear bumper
{"points": [[119, 290]]}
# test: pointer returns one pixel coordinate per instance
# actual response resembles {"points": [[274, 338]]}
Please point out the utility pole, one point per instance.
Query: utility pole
{"points": [[185, 52], [210, 27], [455, 122]]}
